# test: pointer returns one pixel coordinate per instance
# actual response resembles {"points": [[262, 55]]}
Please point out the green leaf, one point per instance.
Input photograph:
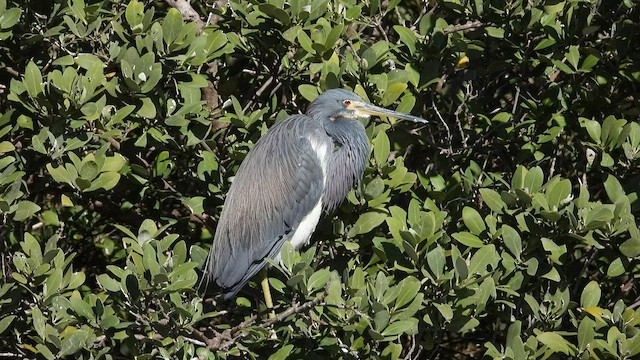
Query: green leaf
{"points": [[113, 163], [89, 170], [33, 80], [501, 117], [555, 251], [381, 148], [6, 146], [472, 220], [611, 129], [275, 13], [393, 92], [309, 92], [512, 240], [553, 7], [39, 322], [282, 353], [590, 295], [544, 43], [401, 327], [106, 181], [60, 174], [5, 322], [445, 310], [134, 15], [333, 36], [555, 342], [73, 342], [171, 26], [305, 42], [573, 56], [494, 32], [468, 239], [534, 179], [616, 268], [374, 188], [195, 204], [108, 283], [593, 128], [53, 282], [82, 308], [492, 199], [613, 188], [436, 260], [586, 333], [484, 257], [367, 222], [589, 62], [10, 17], [598, 217], [409, 288], [563, 67], [25, 209], [407, 37], [147, 109], [65, 200], [318, 280], [514, 341], [631, 247], [77, 279], [558, 193], [131, 286]]}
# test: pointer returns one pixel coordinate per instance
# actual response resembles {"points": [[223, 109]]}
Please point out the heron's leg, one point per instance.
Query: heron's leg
{"points": [[267, 293]]}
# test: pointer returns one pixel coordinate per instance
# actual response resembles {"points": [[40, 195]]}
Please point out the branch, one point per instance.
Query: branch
{"points": [[188, 12], [226, 338], [295, 309], [11, 71], [470, 26]]}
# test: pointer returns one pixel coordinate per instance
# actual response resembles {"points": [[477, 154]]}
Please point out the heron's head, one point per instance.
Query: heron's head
{"points": [[337, 103]]}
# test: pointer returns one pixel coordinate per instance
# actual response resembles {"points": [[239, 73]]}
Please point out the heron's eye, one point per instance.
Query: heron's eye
{"points": [[347, 102]]}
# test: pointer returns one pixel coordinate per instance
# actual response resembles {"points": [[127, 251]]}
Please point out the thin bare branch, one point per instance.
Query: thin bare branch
{"points": [[223, 340], [470, 26]]}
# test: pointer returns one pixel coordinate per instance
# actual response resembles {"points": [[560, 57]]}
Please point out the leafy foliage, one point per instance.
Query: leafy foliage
{"points": [[504, 229]]}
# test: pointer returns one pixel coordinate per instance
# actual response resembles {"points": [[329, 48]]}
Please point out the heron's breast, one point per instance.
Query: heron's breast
{"points": [[307, 226], [323, 150]]}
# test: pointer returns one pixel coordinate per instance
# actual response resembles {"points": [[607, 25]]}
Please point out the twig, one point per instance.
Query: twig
{"points": [[264, 87], [435, 108], [552, 167], [258, 93], [226, 338], [515, 101], [635, 304], [459, 123], [9, 355], [470, 26], [381, 29], [296, 308], [12, 71]]}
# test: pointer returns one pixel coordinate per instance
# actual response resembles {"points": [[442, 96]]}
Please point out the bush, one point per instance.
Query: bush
{"points": [[504, 229]]}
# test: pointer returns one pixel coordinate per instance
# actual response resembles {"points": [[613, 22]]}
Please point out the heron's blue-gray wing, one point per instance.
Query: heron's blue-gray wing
{"points": [[277, 184]]}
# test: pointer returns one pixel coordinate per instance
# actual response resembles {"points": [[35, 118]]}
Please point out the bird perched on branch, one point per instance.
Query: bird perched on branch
{"points": [[300, 167]]}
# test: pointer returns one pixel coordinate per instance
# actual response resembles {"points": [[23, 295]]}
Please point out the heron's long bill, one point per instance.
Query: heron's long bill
{"points": [[369, 109]]}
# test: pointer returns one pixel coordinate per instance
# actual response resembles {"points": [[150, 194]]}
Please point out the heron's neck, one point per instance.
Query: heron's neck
{"points": [[345, 131], [347, 162]]}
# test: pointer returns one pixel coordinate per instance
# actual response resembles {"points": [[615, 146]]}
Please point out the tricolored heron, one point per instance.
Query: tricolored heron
{"points": [[300, 167]]}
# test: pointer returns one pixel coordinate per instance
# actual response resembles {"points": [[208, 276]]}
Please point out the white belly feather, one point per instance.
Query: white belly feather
{"points": [[308, 224]]}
